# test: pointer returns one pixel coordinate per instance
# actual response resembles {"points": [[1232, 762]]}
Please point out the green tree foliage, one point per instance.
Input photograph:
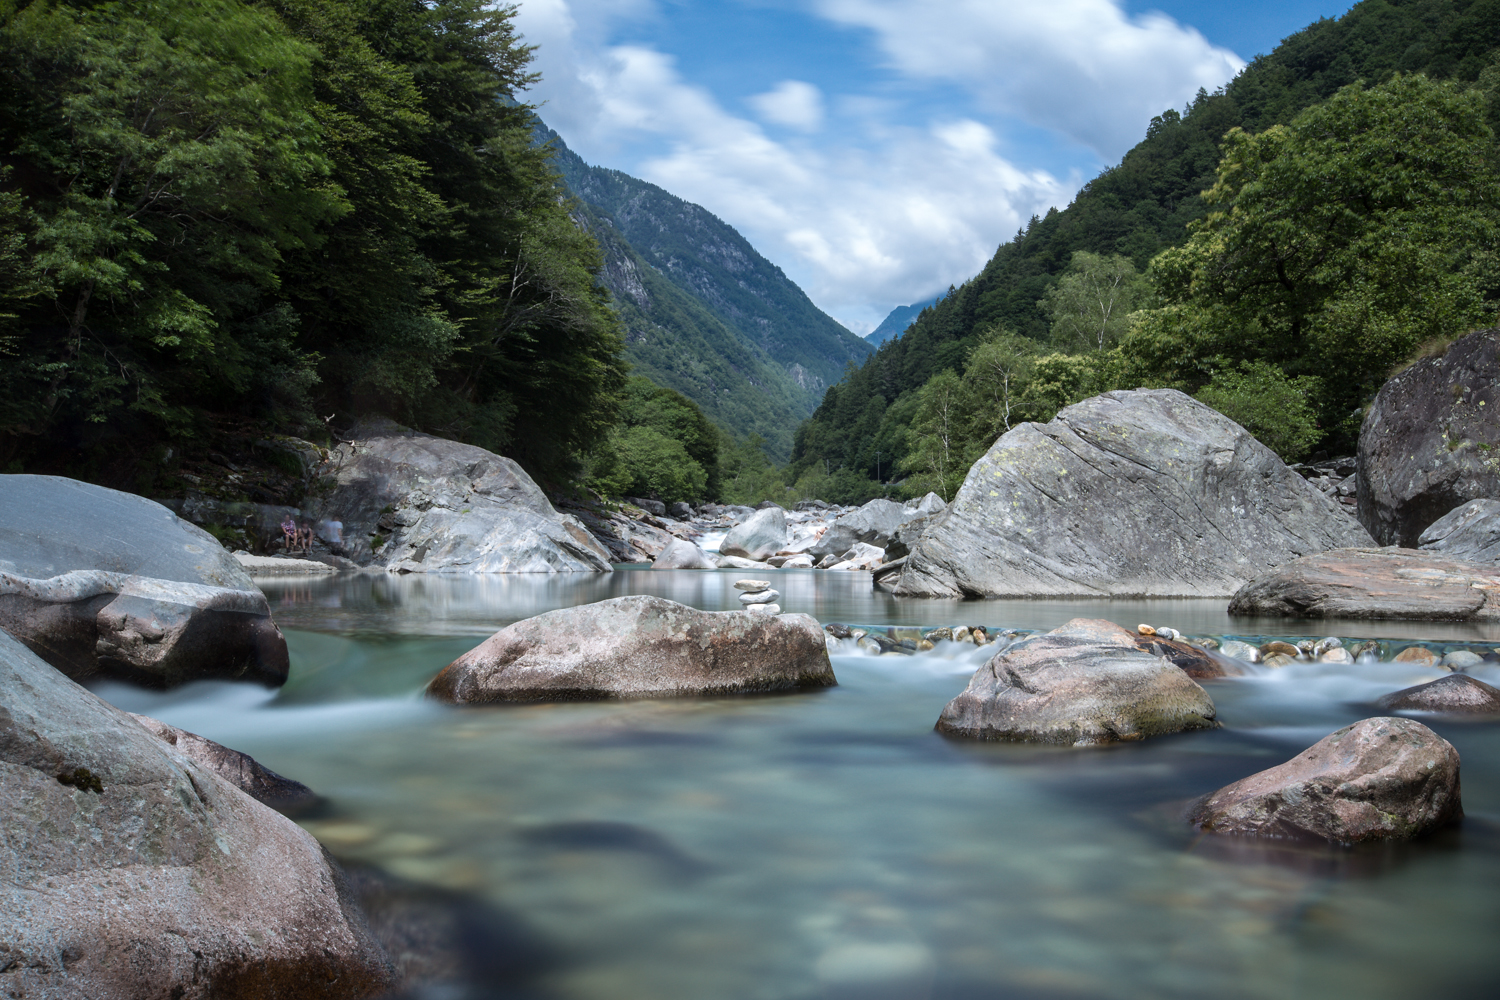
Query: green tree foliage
{"points": [[282, 207], [664, 447], [1336, 244], [1278, 410], [1091, 302], [935, 457]]}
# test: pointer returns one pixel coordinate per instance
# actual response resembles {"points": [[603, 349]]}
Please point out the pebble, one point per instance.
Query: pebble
{"points": [[1278, 660], [1145, 630], [1170, 634], [962, 634], [761, 597], [925, 645], [1417, 654], [752, 584], [868, 645], [1335, 655], [764, 609], [1367, 652], [1240, 651], [1462, 659], [1279, 648], [938, 634], [1332, 642]]}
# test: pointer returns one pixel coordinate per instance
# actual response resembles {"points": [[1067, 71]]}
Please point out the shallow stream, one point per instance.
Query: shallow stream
{"points": [[832, 845]]}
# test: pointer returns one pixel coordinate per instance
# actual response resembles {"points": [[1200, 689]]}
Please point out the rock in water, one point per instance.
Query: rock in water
{"points": [[1427, 443], [639, 647], [414, 503], [1086, 682], [1374, 583], [1456, 694], [1379, 779], [132, 871], [683, 554], [1132, 493], [239, 769], [757, 537], [873, 524], [1470, 533], [99, 582]]}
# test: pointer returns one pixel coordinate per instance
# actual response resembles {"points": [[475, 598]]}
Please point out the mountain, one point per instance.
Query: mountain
{"points": [[710, 261], [896, 322], [1143, 205]]}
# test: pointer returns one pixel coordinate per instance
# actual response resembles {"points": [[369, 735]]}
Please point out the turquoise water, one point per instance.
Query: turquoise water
{"points": [[831, 844]]}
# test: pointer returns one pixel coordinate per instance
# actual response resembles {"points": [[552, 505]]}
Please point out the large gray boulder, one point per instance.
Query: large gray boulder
{"points": [[1379, 779], [132, 871], [683, 554], [758, 536], [414, 503], [872, 524], [103, 583], [1144, 492], [239, 769], [1374, 583], [1429, 441], [1086, 682], [1469, 532], [639, 647]]}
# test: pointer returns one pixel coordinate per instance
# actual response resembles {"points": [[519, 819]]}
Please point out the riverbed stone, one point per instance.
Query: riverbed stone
{"points": [[1428, 442], [1456, 694], [133, 871], [415, 503], [239, 769], [1191, 660], [873, 524], [758, 536], [1083, 683], [767, 596], [101, 583], [1370, 583], [683, 554], [752, 585], [1469, 532], [738, 562], [1142, 492], [1379, 779], [639, 647], [860, 556]]}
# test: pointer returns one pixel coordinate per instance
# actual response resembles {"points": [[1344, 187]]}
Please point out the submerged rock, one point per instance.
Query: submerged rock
{"points": [[1374, 583], [1130, 493], [414, 503], [759, 536], [1379, 779], [639, 647], [103, 583], [1191, 660], [1456, 694], [133, 871], [683, 554], [1427, 443], [1470, 533], [239, 769], [1085, 682]]}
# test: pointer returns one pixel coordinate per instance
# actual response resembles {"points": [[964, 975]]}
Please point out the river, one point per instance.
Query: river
{"points": [[832, 845]]}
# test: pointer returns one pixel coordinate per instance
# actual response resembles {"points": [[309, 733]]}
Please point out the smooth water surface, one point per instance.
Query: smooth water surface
{"points": [[832, 844]]}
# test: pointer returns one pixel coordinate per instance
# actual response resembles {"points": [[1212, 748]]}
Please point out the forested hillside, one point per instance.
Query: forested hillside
{"points": [[1127, 216], [273, 215]]}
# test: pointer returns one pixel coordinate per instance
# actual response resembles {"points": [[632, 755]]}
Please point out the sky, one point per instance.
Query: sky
{"points": [[880, 150]]}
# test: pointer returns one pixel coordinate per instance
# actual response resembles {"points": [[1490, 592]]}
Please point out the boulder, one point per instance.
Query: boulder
{"points": [[681, 510], [758, 536], [927, 505], [1191, 660], [133, 871], [239, 769], [1456, 694], [639, 647], [103, 583], [649, 506], [1470, 532], [1083, 683], [1379, 779], [414, 503], [1427, 444], [282, 566], [683, 554], [872, 524], [1374, 583], [860, 556], [1131, 493], [735, 562], [800, 561]]}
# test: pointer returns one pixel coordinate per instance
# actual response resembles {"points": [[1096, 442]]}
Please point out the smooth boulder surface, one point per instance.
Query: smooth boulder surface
{"points": [[873, 524], [1470, 533], [1379, 779], [133, 871], [757, 537], [239, 769], [1083, 683], [1428, 443], [103, 583], [1374, 583], [1144, 492], [414, 503], [1456, 694], [639, 647], [683, 554]]}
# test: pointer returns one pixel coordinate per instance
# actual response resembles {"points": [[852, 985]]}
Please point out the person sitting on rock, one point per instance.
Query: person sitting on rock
{"points": [[305, 538], [289, 533]]}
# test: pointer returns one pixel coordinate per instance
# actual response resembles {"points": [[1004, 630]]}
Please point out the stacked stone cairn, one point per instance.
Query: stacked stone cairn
{"points": [[757, 595]]}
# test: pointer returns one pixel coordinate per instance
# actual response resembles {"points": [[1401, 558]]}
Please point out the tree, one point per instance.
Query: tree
{"points": [[935, 453], [1278, 410], [998, 373], [1336, 245], [1091, 302]]}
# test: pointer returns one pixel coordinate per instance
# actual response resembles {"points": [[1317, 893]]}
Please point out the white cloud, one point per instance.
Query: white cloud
{"points": [[792, 103], [1082, 67], [903, 210]]}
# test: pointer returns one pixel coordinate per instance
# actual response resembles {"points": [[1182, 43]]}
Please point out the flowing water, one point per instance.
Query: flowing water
{"points": [[832, 845]]}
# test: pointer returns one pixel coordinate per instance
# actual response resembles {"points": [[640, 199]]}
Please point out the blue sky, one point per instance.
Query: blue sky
{"points": [[879, 150]]}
